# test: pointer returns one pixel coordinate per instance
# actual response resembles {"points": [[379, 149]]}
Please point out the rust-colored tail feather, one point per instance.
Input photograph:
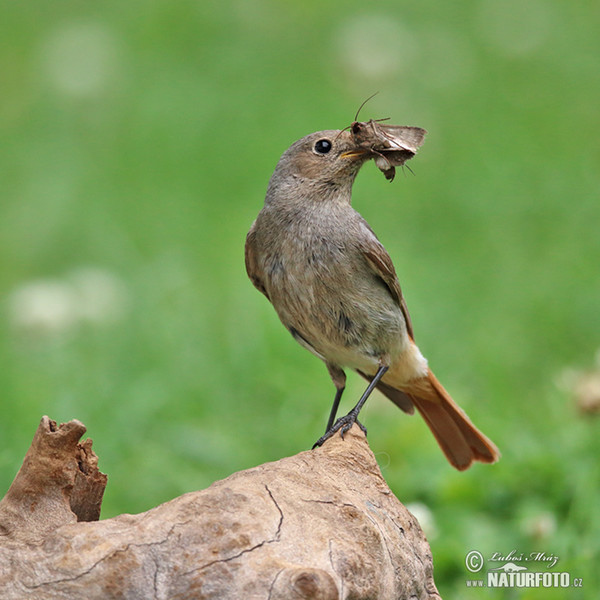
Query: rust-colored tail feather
{"points": [[460, 440]]}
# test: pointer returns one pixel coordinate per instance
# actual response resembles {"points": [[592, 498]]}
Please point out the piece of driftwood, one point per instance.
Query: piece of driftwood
{"points": [[319, 525]]}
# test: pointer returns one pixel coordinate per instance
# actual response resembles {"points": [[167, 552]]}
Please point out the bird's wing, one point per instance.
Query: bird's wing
{"points": [[381, 264], [252, 267]]}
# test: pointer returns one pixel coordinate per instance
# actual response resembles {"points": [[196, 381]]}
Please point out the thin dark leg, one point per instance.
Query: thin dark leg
{"points": [[344, 423], [339, 380], [334, 408], [380, 373]]}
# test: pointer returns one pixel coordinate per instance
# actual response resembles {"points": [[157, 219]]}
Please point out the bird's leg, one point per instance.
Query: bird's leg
{"points": [[344, 423], [339, 380], [334, 408]]}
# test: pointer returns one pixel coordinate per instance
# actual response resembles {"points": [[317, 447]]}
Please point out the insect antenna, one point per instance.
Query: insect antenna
{"points": [[342, 131], [361, 106], [356, 116]]}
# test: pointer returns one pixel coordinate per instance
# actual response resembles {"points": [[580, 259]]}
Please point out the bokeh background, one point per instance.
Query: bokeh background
{"points": [[137, 140]]}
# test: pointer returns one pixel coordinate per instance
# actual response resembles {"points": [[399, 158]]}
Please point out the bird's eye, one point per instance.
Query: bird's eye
{"points": [[323, 146]]}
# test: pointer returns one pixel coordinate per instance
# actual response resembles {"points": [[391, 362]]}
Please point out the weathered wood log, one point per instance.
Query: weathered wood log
{"points": [[321, 525]]}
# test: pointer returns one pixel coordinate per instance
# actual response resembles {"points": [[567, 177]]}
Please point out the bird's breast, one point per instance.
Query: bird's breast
{"points": [[325, 293]]}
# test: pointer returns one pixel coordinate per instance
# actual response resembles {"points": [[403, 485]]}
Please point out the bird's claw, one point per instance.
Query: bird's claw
{"points": [[343, 425]]}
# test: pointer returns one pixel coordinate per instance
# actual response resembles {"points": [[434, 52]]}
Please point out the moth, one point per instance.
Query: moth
{"points": [[392, 145]]}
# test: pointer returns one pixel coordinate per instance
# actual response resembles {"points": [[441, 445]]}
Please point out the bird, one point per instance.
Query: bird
{"points": [[335, 289]]}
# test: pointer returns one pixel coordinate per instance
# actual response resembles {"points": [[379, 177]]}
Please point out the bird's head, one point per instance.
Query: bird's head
{"points": [[328, 160]]}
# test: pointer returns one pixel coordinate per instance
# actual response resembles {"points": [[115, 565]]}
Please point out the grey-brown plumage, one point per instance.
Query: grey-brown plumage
{"points": [[335, 289]]}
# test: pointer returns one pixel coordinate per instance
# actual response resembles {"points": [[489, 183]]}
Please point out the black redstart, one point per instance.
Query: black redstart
{"points": [[335, 288]]}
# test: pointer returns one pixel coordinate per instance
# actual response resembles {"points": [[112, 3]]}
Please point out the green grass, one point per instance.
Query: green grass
{"points": [[137, 142]]}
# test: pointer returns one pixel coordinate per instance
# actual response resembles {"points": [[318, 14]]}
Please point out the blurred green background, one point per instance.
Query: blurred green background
{"points": [[137, 143]]}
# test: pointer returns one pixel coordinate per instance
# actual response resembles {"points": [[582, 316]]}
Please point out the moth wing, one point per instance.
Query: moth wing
{"points": [[400, 137]]}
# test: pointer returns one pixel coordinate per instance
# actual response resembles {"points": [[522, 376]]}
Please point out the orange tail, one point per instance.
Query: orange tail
{"points": [[460, 440]]}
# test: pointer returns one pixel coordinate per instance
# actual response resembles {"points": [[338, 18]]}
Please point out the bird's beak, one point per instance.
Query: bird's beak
{"points": [[354, 153]]}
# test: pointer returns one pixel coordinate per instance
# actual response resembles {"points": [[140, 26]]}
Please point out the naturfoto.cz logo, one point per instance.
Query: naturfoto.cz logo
{"points": [[511, 574]]}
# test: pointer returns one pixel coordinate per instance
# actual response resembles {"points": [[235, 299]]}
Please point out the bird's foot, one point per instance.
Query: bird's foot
{"points": [[343, 425]]}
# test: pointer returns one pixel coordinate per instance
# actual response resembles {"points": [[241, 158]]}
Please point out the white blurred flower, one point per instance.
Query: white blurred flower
{"points": [[425, 517], [583, 387], [80, 58], [539, 526], [586, 392], [45, 306], [374, 46], [54, 306]]}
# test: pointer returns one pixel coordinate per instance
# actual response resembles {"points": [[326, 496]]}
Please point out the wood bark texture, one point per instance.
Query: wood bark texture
{"points": [[320, 525]]}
